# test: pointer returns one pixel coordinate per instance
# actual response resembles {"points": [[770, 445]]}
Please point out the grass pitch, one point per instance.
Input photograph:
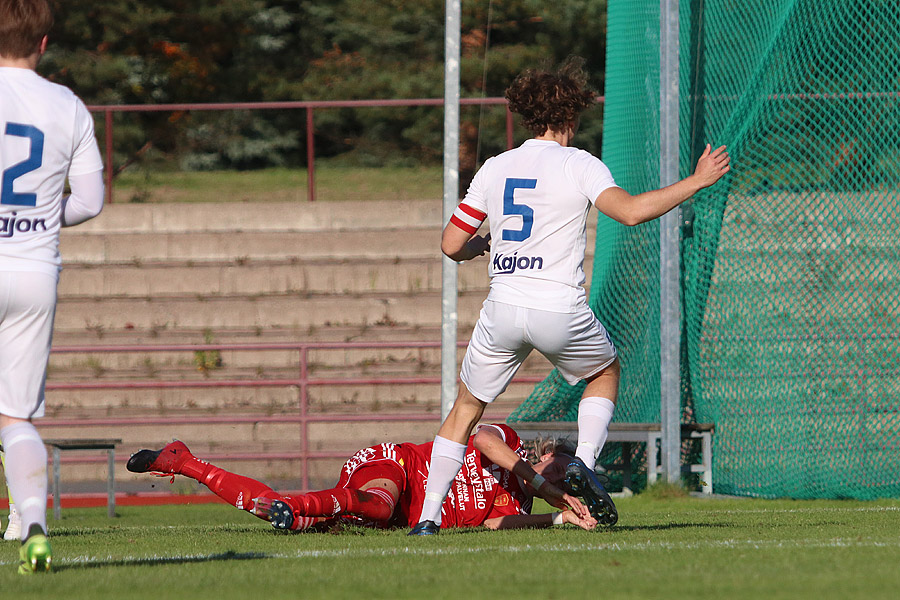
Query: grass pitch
{"points": [[661, 548], [333, 184]]}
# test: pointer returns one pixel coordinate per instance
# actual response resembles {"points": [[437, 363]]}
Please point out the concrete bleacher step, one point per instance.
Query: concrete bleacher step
{"points": [[268, 399], [253, 363], [279, 311], [141, 247], [254, 277], [270, 217], [267, 216], [366, 332]]}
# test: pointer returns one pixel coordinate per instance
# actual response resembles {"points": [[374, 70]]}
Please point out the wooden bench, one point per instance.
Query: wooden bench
{"points": [[630, 433], [109, 445]]}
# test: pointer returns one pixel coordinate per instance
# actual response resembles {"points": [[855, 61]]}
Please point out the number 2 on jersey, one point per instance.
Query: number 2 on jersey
{"points": [[511, 208], [35, 160]]}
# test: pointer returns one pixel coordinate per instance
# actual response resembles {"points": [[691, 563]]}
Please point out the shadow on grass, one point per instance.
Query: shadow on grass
{"points": [[155, 561], [670, 526], [59, 532]]}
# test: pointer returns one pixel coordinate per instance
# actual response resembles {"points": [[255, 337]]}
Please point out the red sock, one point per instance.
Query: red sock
{"points": [[378, 506], [236, 490], [240, 491]]}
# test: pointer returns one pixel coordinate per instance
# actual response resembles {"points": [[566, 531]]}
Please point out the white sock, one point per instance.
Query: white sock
{"points": [[446, 459], [26, 473], [594, 415]]}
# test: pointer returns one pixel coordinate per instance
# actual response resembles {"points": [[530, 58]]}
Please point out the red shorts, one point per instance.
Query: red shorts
{"points": [[378, 462], [384, 461]]}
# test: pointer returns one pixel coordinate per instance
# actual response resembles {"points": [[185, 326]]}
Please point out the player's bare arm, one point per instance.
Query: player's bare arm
{"points": [[461, 245], [492, 446], [539, 521], [630, 210]]}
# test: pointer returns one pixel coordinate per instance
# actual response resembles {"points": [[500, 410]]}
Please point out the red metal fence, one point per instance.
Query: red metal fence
{"points": [[303, 381], [308, 106]]}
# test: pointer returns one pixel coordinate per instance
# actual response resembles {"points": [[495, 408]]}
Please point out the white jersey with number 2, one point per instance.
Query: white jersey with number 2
{"points": [[46, 134], [536, 198]]}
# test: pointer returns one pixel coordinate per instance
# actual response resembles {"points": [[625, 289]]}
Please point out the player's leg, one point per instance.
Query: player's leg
{"points": [[495, 353], [579, 346], [14, 525], [176, 459], [371, 492], [595, 412], [447, 455], [28, 304], [26, 470]]}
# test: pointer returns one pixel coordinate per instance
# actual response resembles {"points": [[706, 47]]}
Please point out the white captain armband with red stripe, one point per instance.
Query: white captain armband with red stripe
{"points": [[467, 218]]}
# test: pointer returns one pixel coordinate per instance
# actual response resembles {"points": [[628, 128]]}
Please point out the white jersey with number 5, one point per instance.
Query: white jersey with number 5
{"points": [[46, 134], [536, 198]]}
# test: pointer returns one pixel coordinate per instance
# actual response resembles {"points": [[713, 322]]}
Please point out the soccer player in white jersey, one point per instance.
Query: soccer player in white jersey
{"points": [[46, 136], [537, 198]]}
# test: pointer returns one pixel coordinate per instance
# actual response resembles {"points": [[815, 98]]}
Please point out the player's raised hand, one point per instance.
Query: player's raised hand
{"points": [[712, 165]]}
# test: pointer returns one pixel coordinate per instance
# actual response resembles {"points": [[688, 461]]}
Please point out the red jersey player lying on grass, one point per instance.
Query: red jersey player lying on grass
{"points": [[384, 486]]}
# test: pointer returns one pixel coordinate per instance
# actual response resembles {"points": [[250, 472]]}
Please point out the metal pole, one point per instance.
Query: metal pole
{"points": [[108, 123], [304, 417], [449, 315], [110, 482], [669, 251], [310, 156], [57, 503]]}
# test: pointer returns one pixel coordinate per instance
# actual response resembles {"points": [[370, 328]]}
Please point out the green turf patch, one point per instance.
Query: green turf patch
{"points": [[661, 548], [332, 184]]}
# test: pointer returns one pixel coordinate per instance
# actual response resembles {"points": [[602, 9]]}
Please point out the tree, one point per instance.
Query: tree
{"points": [[126, 51]]}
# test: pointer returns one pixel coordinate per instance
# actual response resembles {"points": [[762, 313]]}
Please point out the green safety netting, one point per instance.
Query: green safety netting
{"points": [[790, 265]]}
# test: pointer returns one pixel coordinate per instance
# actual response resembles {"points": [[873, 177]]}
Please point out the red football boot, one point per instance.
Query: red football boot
{"points": [[167, 461]]}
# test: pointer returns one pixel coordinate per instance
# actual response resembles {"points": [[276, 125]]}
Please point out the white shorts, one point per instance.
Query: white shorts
{"points": [[27, 308], [575, 343]]}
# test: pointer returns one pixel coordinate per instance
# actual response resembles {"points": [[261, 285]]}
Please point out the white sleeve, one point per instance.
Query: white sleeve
{"points": [[476, 194], [85, 152], [86, 200], [591, 176]]}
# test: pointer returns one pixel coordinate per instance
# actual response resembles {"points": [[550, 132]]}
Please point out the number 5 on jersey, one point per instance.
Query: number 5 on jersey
{"points": [[523, 210], [35, 160]]}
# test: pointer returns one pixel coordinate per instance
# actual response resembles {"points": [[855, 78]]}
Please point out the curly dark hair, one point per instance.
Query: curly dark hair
{"points": [[550, 99]]}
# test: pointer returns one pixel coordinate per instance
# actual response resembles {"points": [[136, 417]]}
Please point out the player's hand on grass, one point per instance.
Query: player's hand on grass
{"points": [[559, 499], [588, 523], [577, 506], [711, 166]]}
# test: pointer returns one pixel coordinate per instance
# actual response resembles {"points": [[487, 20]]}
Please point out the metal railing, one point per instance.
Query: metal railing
{"points": [[308, 106], [303, 381]]}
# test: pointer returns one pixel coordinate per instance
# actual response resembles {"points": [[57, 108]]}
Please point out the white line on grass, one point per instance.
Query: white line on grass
{"points": [[811, 509], [412, 551]]}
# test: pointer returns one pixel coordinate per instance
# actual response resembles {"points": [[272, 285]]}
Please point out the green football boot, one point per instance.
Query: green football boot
{"points": [[34, 554]]}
